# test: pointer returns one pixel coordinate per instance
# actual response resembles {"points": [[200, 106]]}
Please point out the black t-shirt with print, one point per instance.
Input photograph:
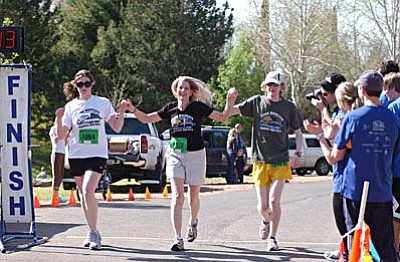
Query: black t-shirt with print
{"points": [[187, 123]]}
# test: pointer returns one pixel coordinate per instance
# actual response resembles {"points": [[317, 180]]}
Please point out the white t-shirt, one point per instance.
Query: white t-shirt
{"points": [[59, 146], [86, 122]]}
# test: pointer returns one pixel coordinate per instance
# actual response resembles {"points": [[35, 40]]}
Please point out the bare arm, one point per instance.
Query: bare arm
{"points": [[332, 155], [144, 117], [230, 100], [296, 159], [116, 123], [61, 130]]}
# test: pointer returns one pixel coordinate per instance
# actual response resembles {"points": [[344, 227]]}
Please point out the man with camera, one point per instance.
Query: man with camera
{"points": [[324, 97]]}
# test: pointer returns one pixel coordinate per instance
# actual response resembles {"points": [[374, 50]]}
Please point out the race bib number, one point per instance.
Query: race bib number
{"points": [[89, 136], [178, 144]]}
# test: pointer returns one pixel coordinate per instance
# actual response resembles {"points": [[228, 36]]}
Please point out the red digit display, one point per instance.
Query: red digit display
{"points": [[11, 39]]}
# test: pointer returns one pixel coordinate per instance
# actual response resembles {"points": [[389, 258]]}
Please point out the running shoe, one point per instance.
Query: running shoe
{"points": [[191, 233], [178, 245], [96, 243], [90, 237], [264, 230], [332, 255], [272, 244]]}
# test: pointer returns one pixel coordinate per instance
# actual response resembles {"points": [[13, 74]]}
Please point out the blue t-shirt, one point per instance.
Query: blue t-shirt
{"points": [[337, 168], [371, 136], [384, 100], [394, 107]]}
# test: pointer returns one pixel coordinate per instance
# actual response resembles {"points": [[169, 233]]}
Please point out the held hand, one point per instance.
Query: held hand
{"points": [[231, 95], [124, 105], [313, 128], [60, 112]]}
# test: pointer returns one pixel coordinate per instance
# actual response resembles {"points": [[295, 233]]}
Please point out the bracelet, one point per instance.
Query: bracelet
{"points": [[320, 135]]}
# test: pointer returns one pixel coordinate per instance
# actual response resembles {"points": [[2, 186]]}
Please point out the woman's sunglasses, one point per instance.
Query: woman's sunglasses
{"points": [[83, 84]]}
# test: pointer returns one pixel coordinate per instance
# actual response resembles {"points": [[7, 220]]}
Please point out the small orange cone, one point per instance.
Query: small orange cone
{"points": [[108, 195], [130, 196], [165, 191], [148, 195], [355, 253], [36, 203], [72, 200], [54, 199]]}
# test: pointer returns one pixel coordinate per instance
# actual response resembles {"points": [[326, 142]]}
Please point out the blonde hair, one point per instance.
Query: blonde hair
{"points": [[392, 81], [200, 91], [232, 132], [346, 93]]}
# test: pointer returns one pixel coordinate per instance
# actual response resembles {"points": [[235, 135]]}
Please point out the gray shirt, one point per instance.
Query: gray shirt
{"points": [[272, 122]]}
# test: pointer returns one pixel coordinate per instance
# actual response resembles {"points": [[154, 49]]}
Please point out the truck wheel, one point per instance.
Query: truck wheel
{"points": [[322, 167], [159, 174], [301, 171]]}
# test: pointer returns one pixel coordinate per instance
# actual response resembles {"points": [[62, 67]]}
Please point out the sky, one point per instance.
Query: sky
{"points": [[242, 8]]}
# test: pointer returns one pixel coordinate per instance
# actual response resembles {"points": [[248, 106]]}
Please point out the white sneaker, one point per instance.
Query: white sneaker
{"points": [[272, 244], [90, 237], [191, 233], [95, 244], [332, 255]]}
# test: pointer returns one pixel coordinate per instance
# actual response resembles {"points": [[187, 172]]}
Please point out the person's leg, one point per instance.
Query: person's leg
{"points": [[58, 170], [263, 202], [378, 217], [275, 195], [177, 201], [396, 229], [89, 185], [231, 166], [194, 203]]}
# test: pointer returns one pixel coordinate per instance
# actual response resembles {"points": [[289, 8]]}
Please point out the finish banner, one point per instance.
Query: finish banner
{"points": [[15, 156]]}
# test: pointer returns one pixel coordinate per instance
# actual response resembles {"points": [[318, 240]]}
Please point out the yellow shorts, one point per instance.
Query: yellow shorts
{"points": [[263, 174]]}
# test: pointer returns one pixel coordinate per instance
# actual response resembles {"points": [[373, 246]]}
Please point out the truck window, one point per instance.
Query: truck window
{"points": [[292, 143], [220, 139], [132, 126], [312, 142]]}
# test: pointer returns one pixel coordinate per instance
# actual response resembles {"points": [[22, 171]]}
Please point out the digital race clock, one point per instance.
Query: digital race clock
{"points": [[11, 39]]}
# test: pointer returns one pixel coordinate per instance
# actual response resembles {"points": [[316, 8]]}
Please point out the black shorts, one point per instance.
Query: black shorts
{"points": [[80, 165], [396, 192]]}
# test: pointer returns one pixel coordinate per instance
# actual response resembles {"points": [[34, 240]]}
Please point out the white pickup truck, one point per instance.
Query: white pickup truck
{"points": [[312, 159], [134, 153]]}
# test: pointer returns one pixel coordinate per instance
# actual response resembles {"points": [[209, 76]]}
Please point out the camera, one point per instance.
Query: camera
{"points": [[316, 94]]}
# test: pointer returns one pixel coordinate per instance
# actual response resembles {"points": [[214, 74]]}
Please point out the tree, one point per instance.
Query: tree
{"points": [[240, 70], [38, 19]]}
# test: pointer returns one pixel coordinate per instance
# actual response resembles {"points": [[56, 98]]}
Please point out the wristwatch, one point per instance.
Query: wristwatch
{"points": [[298, 154]]}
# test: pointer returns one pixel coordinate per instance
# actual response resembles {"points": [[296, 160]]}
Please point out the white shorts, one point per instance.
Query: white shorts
{"points": [[190, 166]]}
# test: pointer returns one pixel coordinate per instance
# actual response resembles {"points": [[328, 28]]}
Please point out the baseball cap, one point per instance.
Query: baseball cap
{"points": [[273, 77], [331, 82], [371, 80]]}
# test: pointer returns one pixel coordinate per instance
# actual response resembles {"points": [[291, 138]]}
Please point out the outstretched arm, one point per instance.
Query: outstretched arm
{"points": [[116, 123], [143, 117], [229, 108], [61, 130]]}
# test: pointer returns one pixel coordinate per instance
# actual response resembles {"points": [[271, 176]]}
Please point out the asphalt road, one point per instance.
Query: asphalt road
{"points": [[228, 228]]}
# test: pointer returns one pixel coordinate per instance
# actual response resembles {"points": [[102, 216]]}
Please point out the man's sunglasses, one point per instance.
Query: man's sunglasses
{"points": [[83, 84]]}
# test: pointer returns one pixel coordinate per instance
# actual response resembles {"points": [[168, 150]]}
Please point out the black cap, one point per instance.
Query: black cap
{"points": [[331, 82]]}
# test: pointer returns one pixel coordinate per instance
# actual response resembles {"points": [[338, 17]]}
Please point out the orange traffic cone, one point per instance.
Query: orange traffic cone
{"points": [[130, 196], [54, 199], [148, 196], [108, 195], [72, 200], [36, 203], [355, 253], [165, 191]]}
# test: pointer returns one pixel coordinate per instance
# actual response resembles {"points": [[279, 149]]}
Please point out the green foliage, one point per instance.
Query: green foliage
{"points": [[41, 156], [240, 70]]}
